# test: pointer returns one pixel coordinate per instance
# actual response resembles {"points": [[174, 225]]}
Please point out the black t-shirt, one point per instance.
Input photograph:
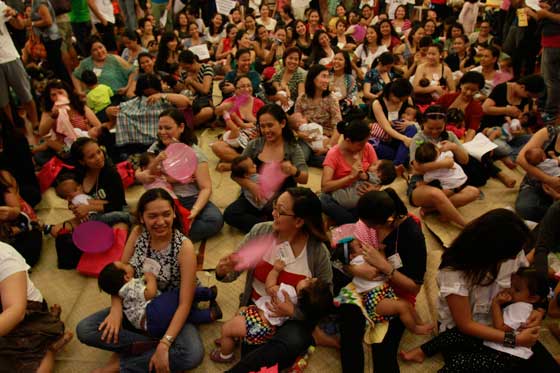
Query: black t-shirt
{"points": [[499, 95], [109, 188], [408, 240]]}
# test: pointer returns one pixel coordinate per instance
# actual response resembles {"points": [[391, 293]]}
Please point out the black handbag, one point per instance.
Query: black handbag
{"points": [[67, 253]]}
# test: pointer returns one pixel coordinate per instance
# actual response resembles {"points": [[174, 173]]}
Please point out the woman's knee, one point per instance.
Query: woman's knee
{"points": [[187, 351], [87, 329]]}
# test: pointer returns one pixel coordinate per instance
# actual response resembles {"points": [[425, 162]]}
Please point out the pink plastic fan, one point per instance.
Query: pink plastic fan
{"points": [[271, 178], [239, 101], [250, 254], [181, 162]]}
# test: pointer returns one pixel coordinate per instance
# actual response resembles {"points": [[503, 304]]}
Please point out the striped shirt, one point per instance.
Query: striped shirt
{"points": [[137, 121]]}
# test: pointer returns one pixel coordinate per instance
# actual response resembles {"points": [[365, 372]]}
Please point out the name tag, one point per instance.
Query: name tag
{"points": [[97, 71], [395, 261], [481, 308]]}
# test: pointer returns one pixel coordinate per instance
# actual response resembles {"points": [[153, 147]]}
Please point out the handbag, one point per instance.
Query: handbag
{"points": [[67, 253], [50, 171], [126, 172], [61, 6]]}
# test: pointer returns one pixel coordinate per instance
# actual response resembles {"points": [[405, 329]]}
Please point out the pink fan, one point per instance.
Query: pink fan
{"points": [[271, 178], [250, 254], [93, 237], [181, 162], [239, 101]]}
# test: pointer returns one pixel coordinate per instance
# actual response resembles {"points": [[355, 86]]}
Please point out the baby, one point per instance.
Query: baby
{"points": [[537, 157], [519, 299], [311, 133], [68, 188], [408, 117], [501, 136], [256, 324], [455, 119], [377, 298], [244, 167], [382, 173], [144, 306], [450, 177]]}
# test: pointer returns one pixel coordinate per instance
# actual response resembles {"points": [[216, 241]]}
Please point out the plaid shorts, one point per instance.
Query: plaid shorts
{"points": [[372, 298], [258, 330]]}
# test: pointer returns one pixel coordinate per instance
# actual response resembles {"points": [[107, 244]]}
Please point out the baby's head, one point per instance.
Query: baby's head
{"points": [[346, 249], [535, 156], [385, 171], [298, 119], [243, 166], [67, 187], [314, 299], [89, 78], [113, 277], [410, 114], [528, 119], [455, 117], [427, 152], [524, 286], [145, 159]]}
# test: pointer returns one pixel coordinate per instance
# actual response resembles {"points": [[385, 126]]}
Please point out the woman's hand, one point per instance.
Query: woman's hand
{"points": [[375, 258], [54, 112], [154, 98], [527, 337], [513, 111], [80, 211], [288, 168], [357, 167], [447, 146], [554, 183], [160, 359], [225, 265], [551, 192], [111, 327], [401, 125], [367, 187], [534, 319], [281, 309], [407, 141]]}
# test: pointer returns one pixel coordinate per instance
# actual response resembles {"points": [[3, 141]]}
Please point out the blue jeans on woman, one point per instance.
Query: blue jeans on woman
{"points": [[207, 223], [186, 352], [312, 159], [395, 150], [333, 210]]}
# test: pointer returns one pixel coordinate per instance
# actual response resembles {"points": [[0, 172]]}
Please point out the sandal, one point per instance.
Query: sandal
{"points": [[217, 357]]}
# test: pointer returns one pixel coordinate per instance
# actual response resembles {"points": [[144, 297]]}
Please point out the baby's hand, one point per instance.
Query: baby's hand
{"points": [[279, 265], [502, 297], [161, 157], [272, 290], [148, 276]]}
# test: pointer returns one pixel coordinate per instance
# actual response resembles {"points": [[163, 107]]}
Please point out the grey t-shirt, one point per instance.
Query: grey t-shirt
{"points": [[348, 197]]}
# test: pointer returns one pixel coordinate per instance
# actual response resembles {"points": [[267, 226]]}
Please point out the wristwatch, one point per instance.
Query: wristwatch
{"points": [[169, 338]]}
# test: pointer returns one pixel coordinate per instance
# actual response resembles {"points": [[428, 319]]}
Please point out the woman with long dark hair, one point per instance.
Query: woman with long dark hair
{"points": [[168, 53]]}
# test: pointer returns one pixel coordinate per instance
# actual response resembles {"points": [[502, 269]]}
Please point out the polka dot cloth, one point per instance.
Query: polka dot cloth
{"points": [[258, 330], [372, 298]]}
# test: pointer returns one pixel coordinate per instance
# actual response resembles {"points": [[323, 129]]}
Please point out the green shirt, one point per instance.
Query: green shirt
{"points": [[112, 73], [99, 98], [79, 12]]}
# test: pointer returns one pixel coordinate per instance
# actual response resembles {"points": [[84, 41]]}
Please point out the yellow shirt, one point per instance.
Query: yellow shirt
{"points": [[99, 98]]}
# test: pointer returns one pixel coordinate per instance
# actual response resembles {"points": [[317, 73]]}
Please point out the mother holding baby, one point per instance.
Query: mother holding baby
{"points": [[159, 238], [347, 166], [194, 195], [297, 221]]}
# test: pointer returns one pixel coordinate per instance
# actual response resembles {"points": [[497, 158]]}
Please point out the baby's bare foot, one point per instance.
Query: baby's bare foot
{"points": [[415, 355]]}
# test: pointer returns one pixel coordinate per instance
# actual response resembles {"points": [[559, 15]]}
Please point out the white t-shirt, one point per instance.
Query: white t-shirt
{"points": [[450, 178], [12, 262], [262, 301], [105, 7], [270, 27], [363, 285], [550, 167], [514, 316], [368, 58], [8, 51], [480, 297]]}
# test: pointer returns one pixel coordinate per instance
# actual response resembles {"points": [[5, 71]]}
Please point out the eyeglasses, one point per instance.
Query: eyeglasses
{"points": [[280, 213], [435, 115]]}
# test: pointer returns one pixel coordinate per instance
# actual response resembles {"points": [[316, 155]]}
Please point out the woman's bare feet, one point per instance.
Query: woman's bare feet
{"points": [[415, 355], [62, 341], [509, 163], [506, 180]]}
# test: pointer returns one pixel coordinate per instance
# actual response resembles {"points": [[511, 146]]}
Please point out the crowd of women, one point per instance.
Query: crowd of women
{"points": [[363, 91]]}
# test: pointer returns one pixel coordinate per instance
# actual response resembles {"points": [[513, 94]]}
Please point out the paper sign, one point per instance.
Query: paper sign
{"points": [[201, 51], [479, 146], [225, 6], [533, 4], [522, 17]]}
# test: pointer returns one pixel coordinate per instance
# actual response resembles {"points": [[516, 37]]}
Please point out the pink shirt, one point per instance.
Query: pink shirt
{"points": [[336, 161]]}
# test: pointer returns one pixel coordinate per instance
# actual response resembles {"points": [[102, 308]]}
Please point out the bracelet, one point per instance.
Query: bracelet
{"points": [[509, 339], [165, 342]]}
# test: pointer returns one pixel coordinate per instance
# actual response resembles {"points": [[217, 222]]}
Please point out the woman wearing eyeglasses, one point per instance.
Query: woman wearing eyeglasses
{"points": [[299, 237], [428, 197], [276, 144]]}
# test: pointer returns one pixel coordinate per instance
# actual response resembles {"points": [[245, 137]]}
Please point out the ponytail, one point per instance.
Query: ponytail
{"points": [[376, 207]]}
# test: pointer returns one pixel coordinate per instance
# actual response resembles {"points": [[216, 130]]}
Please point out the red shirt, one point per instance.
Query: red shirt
{"points": [[336, 161], [473, 112]]}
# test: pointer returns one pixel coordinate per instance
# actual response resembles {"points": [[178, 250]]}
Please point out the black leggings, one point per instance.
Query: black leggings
{"points": [[54, 56], [352, 328]]}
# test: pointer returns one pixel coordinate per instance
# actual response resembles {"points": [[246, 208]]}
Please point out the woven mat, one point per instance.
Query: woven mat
{"points": [[79, 296]]}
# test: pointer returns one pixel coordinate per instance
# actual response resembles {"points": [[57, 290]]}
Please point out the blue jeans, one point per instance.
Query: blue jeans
{"points": [[395, 150], [333, 210], [207, 223], [129, 11], [503, 150], [532, 203], [551, 75], [312, 159], [186, 352]]}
